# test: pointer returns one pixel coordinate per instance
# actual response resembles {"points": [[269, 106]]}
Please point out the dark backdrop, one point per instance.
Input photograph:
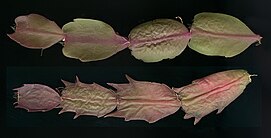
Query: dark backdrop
{"points": [[247, 116]]}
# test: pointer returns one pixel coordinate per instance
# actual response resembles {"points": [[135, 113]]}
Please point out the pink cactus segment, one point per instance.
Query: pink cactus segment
{"points": [[36, 32], [87, 99], [140, 100], [36, 98], [213, 92]]}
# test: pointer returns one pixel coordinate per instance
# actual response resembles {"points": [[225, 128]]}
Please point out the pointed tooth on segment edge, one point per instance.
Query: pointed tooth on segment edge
{"points": [[196, 120], [66, 83], [129, 78], [220, 110]]}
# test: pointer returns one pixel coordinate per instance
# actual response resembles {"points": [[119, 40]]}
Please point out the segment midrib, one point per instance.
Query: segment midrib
{"points": [[139, 43], [218, 88], [197, 30], [37, 31], [170, 102]]}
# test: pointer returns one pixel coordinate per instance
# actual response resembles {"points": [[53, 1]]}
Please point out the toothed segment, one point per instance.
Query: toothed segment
{"points": [[216, 80], [87, 99], [139, 100], [204, 96]]}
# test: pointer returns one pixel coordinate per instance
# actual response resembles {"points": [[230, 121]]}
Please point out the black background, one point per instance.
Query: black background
{"points": [[247, 116]]}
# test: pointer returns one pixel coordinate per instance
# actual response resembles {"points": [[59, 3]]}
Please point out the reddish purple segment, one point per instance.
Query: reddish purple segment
{"points": [[213, 92], [37, 97], [149, 101], [36, 32]]}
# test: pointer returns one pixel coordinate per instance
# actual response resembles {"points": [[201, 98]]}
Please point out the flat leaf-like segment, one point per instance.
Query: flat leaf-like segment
{"points": [[87, 99], [36, 32], [91, 40], [216, 34], [36, 98], [139, 100], [213, 92], [159, 39]]}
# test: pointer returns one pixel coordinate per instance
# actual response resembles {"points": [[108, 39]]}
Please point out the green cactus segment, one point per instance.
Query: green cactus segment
{"points": [[91, 40], [216, 34], [159, 39]]}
